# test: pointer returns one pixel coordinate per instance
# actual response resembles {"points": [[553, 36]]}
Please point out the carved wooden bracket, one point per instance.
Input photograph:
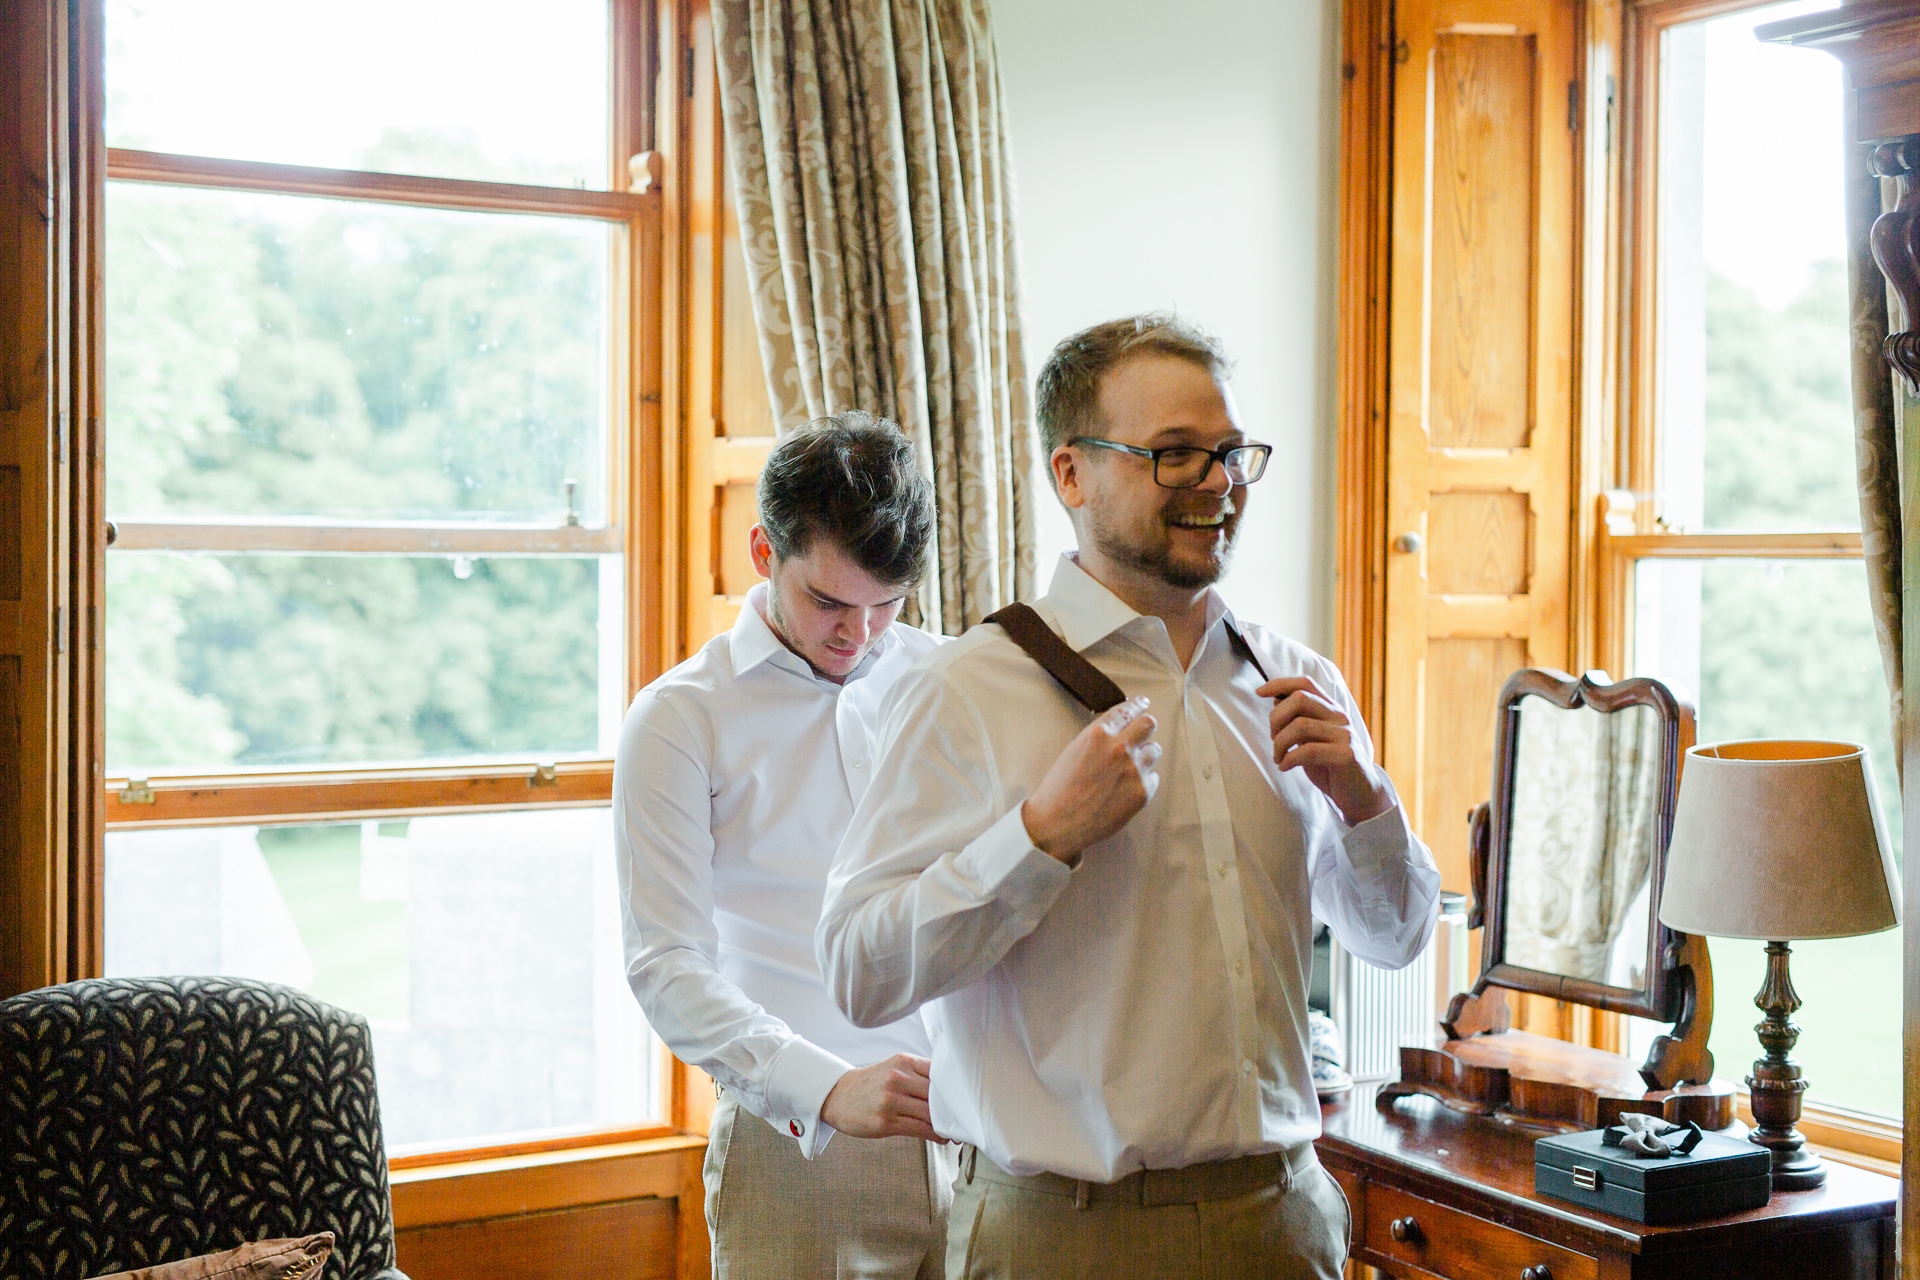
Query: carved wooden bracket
{"points": [[1896, 247]]}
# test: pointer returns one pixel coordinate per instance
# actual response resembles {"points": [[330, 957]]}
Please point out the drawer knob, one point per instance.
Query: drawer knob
{"points": [[1407, 1231], [1536, 1273]]}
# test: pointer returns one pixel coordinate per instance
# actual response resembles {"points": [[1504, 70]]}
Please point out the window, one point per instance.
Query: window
{"points": [[376, 354], [1747, 589]]}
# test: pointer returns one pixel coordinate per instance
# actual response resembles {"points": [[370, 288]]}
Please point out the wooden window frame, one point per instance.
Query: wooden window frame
{"points": [[1629, 529], [643, 510]]}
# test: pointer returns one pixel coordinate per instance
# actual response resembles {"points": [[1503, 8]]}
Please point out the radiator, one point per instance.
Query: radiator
{"points": [[1378, 1010]]}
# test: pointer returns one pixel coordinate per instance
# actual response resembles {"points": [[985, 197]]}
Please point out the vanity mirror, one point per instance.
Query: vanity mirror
{"points": [[1567, 862]]}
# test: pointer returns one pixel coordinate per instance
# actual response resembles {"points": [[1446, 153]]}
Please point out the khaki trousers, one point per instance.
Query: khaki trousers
{"points": [[1273, 1217], [863, 1209]]}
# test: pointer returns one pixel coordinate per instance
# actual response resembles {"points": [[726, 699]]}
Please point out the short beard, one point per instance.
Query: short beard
{"points": [[1157, 562]]}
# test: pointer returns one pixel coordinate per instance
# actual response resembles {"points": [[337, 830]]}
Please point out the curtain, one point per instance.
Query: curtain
{"points": [[1876, 432], [870, 165]]}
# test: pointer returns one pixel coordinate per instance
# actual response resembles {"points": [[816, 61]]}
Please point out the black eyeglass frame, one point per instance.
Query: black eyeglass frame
{"points": [[1262, 453]]}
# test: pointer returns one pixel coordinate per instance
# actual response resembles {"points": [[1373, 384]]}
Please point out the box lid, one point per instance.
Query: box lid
{"points": [[1718, 1157]]}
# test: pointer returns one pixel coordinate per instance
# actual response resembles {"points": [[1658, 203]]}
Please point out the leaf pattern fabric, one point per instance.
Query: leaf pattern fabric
{"points": [[874, 184], [148, 1120]]}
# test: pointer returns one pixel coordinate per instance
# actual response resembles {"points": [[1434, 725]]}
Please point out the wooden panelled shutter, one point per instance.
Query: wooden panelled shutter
{"points": [[1480, 386]]}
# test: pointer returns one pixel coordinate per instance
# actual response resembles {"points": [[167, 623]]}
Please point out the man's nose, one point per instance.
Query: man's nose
{"points": [[858, 626], [1216, 479]]}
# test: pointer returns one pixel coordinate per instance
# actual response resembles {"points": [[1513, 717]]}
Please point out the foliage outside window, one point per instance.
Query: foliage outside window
{"points": [[362, 464]]}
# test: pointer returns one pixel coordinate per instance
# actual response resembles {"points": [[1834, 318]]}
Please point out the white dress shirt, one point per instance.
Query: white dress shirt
{"points": [[1147, 1009], [735, 778]]}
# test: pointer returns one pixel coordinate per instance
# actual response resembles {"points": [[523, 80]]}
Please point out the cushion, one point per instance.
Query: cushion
{"points": [[262, 1260]]}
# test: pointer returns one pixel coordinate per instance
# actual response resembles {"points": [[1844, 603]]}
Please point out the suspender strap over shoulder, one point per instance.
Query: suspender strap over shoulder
{"points": [[1081, 678]]}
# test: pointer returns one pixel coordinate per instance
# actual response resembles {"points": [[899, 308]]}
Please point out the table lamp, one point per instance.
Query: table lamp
{"points": [[1779, 841]]}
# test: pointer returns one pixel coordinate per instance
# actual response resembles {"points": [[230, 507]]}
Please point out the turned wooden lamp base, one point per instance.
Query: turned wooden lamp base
{"points": [[1776, 1083]]}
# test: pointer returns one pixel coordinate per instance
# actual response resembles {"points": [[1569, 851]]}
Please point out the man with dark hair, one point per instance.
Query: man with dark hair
{"points": [[736, 774], [1089, 855]]}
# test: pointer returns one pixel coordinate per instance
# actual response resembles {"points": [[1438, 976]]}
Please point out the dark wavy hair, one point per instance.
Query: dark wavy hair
{"points": [[855, 479], [1067, 394]]}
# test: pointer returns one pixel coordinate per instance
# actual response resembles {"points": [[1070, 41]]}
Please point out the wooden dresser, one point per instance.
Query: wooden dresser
{"points": [[1436, 1193]]}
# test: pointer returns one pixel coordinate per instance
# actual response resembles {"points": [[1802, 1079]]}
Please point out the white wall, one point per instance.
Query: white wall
{"points": [[1182, 155]]}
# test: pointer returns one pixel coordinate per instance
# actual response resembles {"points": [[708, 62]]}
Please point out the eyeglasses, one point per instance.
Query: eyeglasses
{"points": [[1185, 466]]}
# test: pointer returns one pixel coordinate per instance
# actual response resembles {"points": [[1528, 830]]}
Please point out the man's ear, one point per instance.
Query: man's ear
{"points": [[1066, 476], [760, 549]]}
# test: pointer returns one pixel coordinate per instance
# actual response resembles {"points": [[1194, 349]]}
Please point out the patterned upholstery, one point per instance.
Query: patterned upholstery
{"points": [[146, 1120]]}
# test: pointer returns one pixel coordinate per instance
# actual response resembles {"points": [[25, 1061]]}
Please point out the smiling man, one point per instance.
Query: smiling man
{"points": [[1106, 917], [736, 775]]}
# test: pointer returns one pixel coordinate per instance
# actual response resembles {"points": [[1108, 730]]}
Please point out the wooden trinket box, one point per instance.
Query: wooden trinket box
{"points": [[1721, 1175]]}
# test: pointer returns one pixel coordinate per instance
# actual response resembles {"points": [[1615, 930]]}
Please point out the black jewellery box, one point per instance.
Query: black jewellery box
{"points": [[1720, 1175]]}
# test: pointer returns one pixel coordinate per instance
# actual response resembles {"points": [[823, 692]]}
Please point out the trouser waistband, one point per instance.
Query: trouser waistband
{"points": [[1195, 1184]]}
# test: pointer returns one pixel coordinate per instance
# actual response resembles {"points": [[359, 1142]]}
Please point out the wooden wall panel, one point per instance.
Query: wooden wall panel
{"points": [[736, 512], [1479, 543], [1483, 215], [625, 1240], [1463, 680], [1480, 397]]}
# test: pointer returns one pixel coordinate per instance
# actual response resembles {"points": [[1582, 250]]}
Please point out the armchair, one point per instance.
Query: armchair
{"points": [[147, 1120]]}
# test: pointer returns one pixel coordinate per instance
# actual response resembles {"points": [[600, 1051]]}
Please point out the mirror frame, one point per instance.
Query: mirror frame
{"points": [[1664, 996]]}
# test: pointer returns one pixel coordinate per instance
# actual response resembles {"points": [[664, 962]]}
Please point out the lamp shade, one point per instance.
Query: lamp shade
{"points": [[1779, 841]]}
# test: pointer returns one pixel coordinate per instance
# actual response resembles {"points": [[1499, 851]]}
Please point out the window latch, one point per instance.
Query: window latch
{"points": [[136, 792], [544, 775]]}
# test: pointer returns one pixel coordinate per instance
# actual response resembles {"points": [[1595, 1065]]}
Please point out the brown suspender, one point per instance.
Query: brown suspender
{"points": [[1081, 678]]}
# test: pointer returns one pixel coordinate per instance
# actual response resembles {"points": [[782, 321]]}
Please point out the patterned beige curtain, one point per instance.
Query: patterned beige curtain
{"points": [[1876, 430], [874, 187]]}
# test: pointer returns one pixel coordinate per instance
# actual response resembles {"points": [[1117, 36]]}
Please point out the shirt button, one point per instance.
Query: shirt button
{"points": [[1206, 771], [1246, 1066], [1222, 870], [859, 764], [797, 1129], [1240, 968]]}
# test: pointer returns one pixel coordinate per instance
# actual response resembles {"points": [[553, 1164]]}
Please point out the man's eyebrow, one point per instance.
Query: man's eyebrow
{"points": [[826, 599]]}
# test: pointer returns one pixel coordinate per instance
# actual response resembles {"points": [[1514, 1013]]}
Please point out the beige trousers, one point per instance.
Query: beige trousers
{"points": [[1275, 1217], [863, 1209]]}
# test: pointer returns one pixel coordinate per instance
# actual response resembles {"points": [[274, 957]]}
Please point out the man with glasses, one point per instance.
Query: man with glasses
{"points": [[1107, 923]]}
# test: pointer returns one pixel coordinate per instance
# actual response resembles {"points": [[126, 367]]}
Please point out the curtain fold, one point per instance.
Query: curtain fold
{"points": [[867, 143], [1876, 433]]}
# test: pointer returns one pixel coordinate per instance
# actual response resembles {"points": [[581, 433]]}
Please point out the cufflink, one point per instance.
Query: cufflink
{"points": [[797, 1129]]}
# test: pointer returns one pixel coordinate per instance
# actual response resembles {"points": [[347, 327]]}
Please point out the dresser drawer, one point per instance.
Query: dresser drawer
{"points": [[1460, 1246]]}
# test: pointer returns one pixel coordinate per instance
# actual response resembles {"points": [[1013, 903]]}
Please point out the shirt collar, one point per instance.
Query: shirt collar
{"points": [[753, 641], [1087, 612]]}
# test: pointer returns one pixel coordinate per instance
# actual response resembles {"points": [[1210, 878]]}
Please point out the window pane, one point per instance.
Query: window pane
{"points": [[1755, 420], [484, 949], [218, 661], [1786, 649], [489, 89], [282, 357]]}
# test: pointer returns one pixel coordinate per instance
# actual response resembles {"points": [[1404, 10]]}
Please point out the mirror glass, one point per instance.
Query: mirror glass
{"points": [[1583, 826]]}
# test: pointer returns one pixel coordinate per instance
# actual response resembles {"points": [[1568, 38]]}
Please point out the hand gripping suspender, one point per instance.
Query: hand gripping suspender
{"points": [[1086, 682]]}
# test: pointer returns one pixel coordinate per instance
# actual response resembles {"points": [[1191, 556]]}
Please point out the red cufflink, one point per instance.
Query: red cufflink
{"points": [[794, 1127]]}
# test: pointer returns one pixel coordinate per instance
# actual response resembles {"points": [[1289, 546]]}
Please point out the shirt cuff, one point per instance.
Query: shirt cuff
{"points": [[799, 1079], [1003, 863], [1380, 841]]}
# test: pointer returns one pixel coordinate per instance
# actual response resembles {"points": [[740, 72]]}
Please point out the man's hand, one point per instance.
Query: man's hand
{"points": [[1102, 779], [1311, 733], [885, 1100]]}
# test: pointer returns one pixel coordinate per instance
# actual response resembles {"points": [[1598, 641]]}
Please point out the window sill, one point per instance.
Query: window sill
{"points": [[1845, 1137], [465, 1191]]}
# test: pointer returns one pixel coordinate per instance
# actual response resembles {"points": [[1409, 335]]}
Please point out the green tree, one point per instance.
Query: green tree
{"points": [[274, 357]]}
